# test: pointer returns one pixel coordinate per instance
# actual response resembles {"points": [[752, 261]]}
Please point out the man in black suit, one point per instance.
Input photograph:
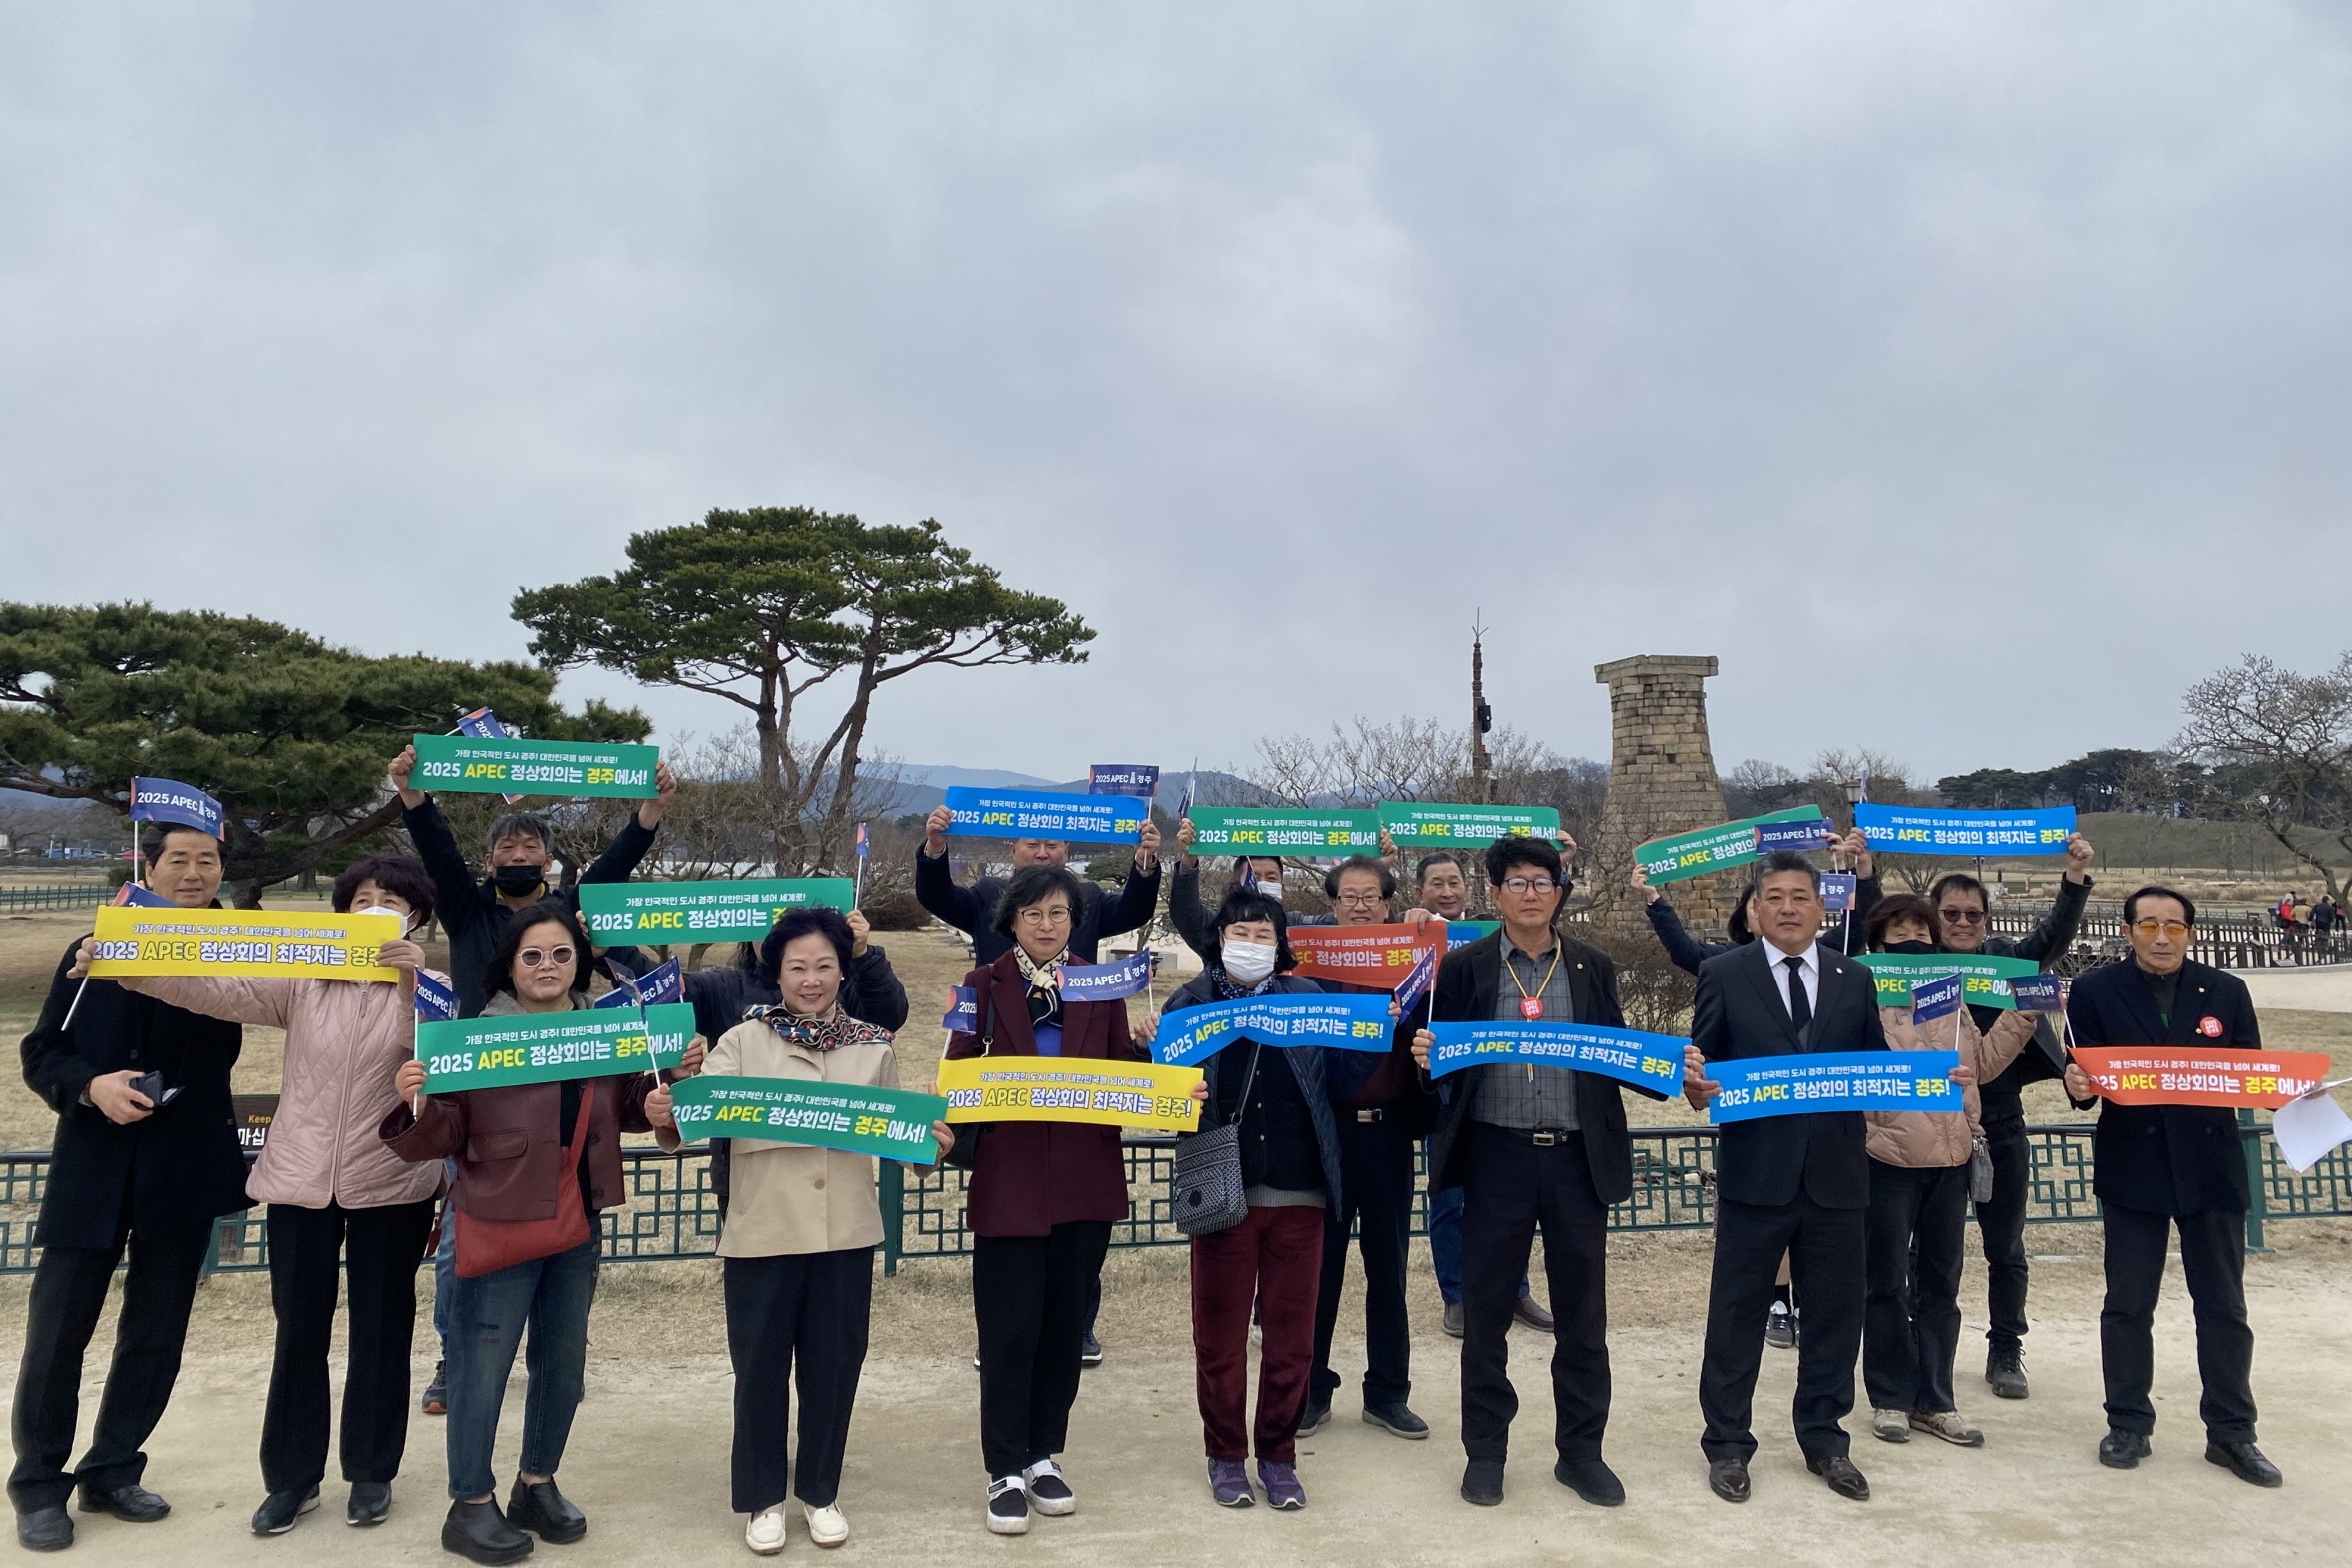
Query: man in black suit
{"points": [[1531, 1146], [2157, 1167], [1797, 1184], [125, 1169], [972, 910]]}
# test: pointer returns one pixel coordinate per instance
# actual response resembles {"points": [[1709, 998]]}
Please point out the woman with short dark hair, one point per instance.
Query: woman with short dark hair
{"points": [[1280, 1104], [341, 1205], [517, 1147], [1040, 1204], [798, 1242]]}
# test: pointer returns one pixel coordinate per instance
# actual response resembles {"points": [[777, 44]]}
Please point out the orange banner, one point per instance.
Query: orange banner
{"points": [[1375, 955], [2187, 1075]]}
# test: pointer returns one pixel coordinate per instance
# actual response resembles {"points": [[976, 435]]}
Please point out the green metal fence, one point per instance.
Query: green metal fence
{"points": [[80, 895], [671, 1212]]}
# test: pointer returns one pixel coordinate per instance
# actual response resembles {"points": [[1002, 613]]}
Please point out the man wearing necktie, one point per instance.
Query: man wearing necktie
{"points": [[1798, 1184]]}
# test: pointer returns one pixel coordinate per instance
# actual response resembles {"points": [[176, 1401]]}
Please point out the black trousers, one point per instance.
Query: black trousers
{"points": [[307, 1260], [1031, 1298], [1911, 1316], [814, 1306], [1376, 1184], [1825, 1250], [2213, 1255], [2000, 1224], [68, 1292], [1512, 1187]]}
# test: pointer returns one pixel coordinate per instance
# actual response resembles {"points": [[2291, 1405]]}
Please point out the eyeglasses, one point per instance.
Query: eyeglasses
{"points": [[533, 957], [1040, 919], [1962, 916], [1530, 883], [1362, 901], [2174, 929]]}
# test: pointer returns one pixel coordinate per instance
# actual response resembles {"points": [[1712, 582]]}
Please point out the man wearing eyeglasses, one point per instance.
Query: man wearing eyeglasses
{"points": [[2157, 1168], [1960, 904], [1531, 1147]]}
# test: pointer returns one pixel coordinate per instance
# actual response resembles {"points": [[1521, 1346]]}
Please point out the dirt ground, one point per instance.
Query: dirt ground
{"points": [[649, 1455]]}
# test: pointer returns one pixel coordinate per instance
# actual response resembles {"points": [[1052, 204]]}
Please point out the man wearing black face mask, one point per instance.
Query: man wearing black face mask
{"points": [[521, 847]]}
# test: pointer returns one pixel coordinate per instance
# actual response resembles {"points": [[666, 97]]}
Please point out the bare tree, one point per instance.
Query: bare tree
{"points": [[2280, 745]]}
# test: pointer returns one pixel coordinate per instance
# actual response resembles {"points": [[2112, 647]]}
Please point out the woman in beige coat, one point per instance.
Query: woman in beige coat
{"points": [[798, 1243], [1919, 1167], [336, 1196]]}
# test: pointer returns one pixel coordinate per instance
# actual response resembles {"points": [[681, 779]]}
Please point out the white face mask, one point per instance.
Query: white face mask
{"points": [[378, 909], [1248, 962]]}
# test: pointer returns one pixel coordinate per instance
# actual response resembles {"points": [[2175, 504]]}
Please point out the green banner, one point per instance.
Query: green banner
{"points": [[655, 912], [1423, 824], [546, 1047], [891, 1123], [485, 767], [1697, 853], [1284, 830], [1989, 975]]}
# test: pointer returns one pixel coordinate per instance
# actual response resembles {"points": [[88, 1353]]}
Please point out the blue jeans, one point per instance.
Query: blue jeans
{"points": [[1446, 1243], [445, 1266], [487, 1317]]}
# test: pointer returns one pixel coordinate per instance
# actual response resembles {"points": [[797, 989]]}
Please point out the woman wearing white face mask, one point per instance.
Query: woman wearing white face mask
{"points": [[335, 1194], [1290, 1167]]}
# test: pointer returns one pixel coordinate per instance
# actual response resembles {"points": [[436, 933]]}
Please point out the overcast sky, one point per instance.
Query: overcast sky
{"points": [[1969, 379]]}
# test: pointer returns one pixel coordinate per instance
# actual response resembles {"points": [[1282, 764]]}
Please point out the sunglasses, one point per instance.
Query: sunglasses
{"points": [[1962, 916], [2165, 927], [534, 957]]}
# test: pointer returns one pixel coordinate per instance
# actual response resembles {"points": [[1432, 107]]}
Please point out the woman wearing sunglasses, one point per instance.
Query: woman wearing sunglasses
{"points": [[516, 1148]]}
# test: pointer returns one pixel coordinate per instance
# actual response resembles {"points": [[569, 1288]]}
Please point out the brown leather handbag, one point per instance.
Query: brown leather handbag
{"points": [[486, 1246]]}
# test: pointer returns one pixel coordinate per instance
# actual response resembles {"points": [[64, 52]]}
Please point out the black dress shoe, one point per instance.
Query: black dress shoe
{"points": [[477, 1532], [1843, 1479], [1482, 1483], [1310, 1418], [370, 1501], [1453, 1320], [1534, 1315], [2245, 1461], [279, 1510], [49, 1529], [2123, 1450], [545, 1512], [133, 1504], [1728, 1480], [1590, 1480], [1397, 1421]]}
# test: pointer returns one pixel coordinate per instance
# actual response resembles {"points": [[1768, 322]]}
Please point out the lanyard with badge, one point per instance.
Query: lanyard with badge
{"points": [[1531, 1007]]}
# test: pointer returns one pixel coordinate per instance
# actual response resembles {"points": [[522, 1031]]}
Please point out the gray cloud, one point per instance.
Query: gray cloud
{"points": [[1970, 379]]}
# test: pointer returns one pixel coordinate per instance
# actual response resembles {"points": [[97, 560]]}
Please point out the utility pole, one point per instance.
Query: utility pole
{"points": [[1481, 719]]}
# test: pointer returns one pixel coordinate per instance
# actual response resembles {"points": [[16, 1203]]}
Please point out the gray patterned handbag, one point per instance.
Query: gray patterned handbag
{"points": [[1205, 1193]]}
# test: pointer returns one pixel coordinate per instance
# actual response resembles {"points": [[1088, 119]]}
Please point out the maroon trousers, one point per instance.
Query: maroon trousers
{"points": [[1275, 1258]]}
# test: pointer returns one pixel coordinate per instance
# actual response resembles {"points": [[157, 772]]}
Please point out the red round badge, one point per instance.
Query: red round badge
{"points": [[1532, 1007], [2209, 1027]]}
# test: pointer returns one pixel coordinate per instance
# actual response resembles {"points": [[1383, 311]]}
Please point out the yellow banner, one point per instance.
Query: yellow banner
{"points": [[141, 940], [1071, 1088]]}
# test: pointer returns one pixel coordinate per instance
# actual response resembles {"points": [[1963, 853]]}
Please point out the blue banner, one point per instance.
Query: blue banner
{"points": [[1802, 837], [2037, 994], [1418, 982], [1106, 981], [1838, 890], [1647, 1061], [1044, 813], [1932, 999], [436, 1002], [1138, 780], [1337, 1022], [1917, 829], [962, 1014], [169, 800], [132, 893], [664, 982], [1461, 932], [1902, 1081]]}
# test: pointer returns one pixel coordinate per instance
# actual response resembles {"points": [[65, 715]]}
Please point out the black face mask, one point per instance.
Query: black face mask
{"points": [[517, 882], [1911, 947]]}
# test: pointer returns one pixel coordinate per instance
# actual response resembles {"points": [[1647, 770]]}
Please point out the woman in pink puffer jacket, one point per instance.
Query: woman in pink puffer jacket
{"points": [[335, 1194], [1919, 1169]]}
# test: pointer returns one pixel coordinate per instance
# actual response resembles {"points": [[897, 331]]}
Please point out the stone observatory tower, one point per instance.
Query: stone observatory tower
{"points": [[1660, 780]]}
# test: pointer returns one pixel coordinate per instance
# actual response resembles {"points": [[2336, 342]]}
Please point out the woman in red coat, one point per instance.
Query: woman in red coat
{"points": [[1040, 1204]]}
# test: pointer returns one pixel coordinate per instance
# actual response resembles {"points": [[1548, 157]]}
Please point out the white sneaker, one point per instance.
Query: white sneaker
{"points": [[826, 1525], [1050, 1494], [765, 1533], [1008, 1507], [1890, 1426]]}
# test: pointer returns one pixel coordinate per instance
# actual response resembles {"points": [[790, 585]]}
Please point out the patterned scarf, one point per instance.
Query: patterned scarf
{"points": [[1046, 976], [1231, 990], [827, 1031]]}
